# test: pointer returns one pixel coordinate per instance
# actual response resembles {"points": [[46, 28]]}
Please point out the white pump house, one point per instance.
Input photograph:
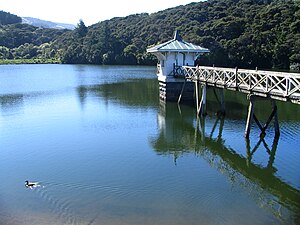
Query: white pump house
{"points": [[172, 55]]}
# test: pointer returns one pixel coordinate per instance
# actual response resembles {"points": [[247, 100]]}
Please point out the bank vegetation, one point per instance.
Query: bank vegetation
{"points": [[242, 33]]}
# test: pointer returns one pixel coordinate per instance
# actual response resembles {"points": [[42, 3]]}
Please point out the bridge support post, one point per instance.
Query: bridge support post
{"points": [[251, 116], [202, 107], [276, 123], [197, 95], [221, 101], [183, 86]]}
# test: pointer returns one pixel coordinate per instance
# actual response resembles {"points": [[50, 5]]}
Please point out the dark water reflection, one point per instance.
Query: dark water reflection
{"points": [[11, 103], [107, 151], [139, 93], [261, 181]]}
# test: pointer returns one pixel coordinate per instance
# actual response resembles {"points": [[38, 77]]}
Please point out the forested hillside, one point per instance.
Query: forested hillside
{"points": [[7, 18], [23, 41], [243, 33]]}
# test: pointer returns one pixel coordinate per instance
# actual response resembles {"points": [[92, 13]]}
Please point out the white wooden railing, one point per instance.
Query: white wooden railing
{"points": [[276, 85]]}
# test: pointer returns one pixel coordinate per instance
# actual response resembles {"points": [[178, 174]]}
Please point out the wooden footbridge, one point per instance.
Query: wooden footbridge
{"points": [[256, 83]]}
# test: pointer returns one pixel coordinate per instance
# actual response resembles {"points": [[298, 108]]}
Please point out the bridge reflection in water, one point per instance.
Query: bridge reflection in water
{"points": [[180, 133], [261, 182]]}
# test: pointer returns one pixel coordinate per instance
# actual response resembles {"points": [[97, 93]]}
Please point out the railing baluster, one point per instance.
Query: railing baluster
{"points": [[287, 86], [276, 85], [236, 78], [267, 84]]}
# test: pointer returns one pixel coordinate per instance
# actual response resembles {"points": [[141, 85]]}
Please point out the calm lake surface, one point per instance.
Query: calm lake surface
{"points": [[107, 151]]}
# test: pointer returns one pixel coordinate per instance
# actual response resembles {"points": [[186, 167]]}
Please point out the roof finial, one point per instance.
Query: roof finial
{"points": [[177, 36]]}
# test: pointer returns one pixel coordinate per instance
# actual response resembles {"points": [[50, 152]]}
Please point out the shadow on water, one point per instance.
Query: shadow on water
{"points": [[145, 93], [139, 93], [182, 133], [11, 104]]}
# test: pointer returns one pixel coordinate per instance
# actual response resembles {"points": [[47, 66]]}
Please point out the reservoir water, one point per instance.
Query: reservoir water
{"points": [[106, 151]]}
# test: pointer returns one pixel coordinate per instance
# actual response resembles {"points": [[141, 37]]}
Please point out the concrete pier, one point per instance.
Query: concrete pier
{"points": [[170, 91]]}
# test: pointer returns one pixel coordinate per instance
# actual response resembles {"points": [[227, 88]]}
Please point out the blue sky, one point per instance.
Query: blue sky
{"points": [[90, 11]]}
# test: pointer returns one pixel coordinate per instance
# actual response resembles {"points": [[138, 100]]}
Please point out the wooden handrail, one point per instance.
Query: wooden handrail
{"points": [[276, 85]]}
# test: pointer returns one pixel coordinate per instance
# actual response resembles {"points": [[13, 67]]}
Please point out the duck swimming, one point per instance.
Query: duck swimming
{"points": [[31, 184]]}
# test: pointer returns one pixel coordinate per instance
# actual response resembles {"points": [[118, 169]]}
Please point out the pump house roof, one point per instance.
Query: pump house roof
{"points": [[177, 45]]}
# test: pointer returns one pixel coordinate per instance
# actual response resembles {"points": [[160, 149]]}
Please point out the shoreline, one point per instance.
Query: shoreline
{"points": [[29, 61]]}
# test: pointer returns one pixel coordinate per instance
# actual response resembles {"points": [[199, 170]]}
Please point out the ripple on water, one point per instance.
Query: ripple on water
{"points": [[60, 206], [290, 131], [288, 153]]}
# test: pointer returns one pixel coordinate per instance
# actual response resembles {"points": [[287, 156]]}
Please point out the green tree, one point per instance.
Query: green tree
{"points": [[81, 30]]}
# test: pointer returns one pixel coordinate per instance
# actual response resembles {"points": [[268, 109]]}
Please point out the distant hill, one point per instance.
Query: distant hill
{"points": [[46, 24]]}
